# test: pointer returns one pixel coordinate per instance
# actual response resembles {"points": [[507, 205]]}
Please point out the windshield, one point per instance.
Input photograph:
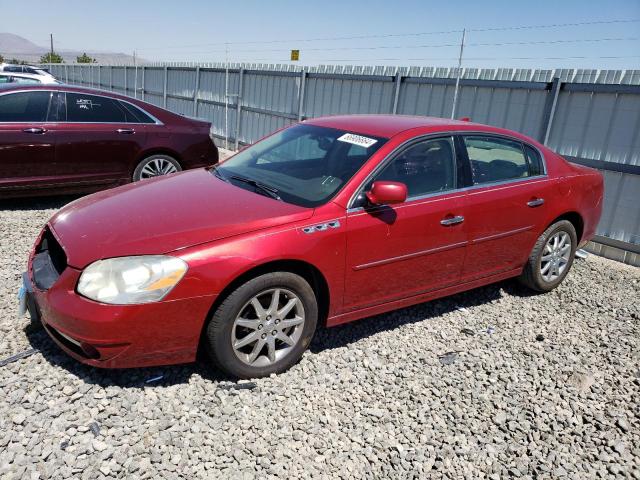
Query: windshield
{"points": [[305, 165]]}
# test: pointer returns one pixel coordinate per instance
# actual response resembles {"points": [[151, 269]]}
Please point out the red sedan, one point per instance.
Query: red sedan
{"points": [[325, 222], [62, 139]]}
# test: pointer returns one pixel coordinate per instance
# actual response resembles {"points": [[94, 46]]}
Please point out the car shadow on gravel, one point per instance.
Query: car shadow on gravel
{"points": [[343, 335], [36, 203], [325, 339]]}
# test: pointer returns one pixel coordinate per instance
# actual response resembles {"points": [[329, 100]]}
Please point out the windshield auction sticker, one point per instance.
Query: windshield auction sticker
{"points": [[359, 140]]}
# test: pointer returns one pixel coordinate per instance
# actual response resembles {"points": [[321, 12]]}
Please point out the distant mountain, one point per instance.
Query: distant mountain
{"points": [[15, 46]]}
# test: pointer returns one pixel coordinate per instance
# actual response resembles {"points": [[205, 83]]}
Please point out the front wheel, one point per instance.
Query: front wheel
{"points": [[154, 166], [551, 257], [264, 326]]}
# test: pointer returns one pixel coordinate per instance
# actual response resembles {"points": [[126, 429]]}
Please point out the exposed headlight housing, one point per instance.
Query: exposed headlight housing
{"points": [[131, 280]]}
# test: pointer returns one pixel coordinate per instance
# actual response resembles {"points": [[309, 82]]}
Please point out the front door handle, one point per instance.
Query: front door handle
{"points": [[452, 220], [36, 130], [536, 202], [126, 131]]}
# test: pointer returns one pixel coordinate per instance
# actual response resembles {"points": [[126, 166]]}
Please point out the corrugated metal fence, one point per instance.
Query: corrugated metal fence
{"points": [[591, 117]]}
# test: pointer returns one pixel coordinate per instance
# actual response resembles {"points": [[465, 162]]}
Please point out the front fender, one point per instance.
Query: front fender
{"points": [[214, 266]]}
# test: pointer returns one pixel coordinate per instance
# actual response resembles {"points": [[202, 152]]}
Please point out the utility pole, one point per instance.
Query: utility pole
{"points": [[459, 73], [51, 37]]}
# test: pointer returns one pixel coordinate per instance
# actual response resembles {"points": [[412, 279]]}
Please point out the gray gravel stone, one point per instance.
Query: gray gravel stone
{"points": [[370, 400]]}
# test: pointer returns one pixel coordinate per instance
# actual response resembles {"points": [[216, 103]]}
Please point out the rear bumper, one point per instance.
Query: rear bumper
{"points": [[118, 336]]}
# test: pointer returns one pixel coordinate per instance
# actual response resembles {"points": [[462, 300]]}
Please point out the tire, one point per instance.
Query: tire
{"points": [[238, 322], [536, 274], [154, 166]]}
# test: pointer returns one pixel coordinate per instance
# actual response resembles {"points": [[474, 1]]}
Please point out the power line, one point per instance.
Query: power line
{"points": [[441, 45], [392, 35], [581, 57], [555, 25]]}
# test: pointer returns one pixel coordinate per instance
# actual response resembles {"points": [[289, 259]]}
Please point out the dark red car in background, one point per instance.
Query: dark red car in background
{"points": [[63, 139], [324, 222]]}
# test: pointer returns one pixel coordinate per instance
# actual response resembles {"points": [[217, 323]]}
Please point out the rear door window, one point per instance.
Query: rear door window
{"points": [[94, 109], [535, 160], [24, 106], [135, 115], [495, 159]]}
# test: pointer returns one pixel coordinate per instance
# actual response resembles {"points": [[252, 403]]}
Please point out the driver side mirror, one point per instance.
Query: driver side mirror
{"points": [[387, 193]]}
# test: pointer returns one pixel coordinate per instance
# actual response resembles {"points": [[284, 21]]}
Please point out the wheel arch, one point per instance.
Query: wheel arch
{"points": [[576, 220], [306, 270]]}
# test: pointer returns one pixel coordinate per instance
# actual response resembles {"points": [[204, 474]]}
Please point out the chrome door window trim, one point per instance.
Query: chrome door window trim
{"points": [[505, 183], [452, 133], [508, 182], [157, 122]]}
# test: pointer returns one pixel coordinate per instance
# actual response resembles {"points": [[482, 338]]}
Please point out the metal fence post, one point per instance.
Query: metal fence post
{"points": [[66, 73], [164, 90], [142, 87], [238, 108], [550, 110], [396, 92], [111, 77], [196, 92], [126, 85], [99, 76], [301, 89]]}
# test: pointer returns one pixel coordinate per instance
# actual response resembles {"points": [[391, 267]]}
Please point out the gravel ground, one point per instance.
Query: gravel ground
{"points": [[533, 387]]}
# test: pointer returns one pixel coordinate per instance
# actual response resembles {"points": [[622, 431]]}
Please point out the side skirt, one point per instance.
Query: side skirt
{"points": [[423, 297]]}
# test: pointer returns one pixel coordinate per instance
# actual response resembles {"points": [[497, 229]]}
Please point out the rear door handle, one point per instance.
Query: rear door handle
{"points": [[126, 131], [536, 202], [452, 220], [37, 130]]}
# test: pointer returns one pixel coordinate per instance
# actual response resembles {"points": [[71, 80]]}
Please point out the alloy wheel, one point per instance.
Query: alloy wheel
{"points": [[156, 167], [555, 256], [268, 327]]}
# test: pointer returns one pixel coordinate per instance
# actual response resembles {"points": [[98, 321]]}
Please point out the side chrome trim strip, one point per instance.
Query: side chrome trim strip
{"points": [[497, 236], [408, 256]]}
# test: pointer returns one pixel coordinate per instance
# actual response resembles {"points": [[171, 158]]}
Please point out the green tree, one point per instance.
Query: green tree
{"points": [[1, 59], [15, 61], [84, 58], [51, 58]]}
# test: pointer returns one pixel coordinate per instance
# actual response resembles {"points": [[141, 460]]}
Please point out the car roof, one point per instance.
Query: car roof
{"points": [[385, 125], [63, 87]]}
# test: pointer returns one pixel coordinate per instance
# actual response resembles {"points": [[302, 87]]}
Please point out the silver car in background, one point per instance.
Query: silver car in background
{"points": [[27, 79]]}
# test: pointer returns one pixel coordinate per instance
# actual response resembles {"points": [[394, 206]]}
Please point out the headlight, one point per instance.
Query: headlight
{"points": [[130, 280]]}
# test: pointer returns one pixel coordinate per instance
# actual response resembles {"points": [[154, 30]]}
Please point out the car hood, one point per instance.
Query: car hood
{"points": [[164, 214]]}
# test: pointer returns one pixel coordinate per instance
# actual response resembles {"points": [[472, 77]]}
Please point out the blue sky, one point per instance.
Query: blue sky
{"points": [[198, 30]]}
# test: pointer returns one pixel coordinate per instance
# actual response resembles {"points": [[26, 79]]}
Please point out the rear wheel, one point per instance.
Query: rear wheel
{"points": [[551, 257], [264, 326], [155, 166]]}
